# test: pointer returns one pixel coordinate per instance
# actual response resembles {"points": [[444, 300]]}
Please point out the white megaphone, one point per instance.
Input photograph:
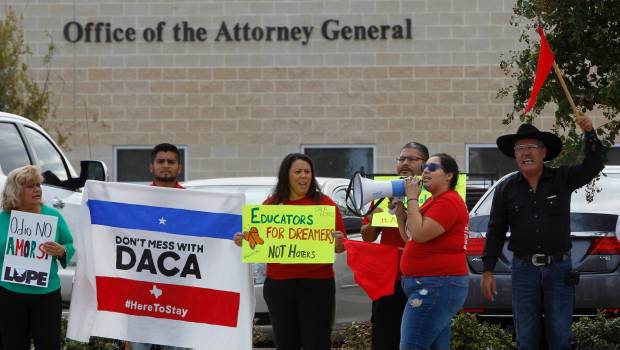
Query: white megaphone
{"points": [[366, 190]]}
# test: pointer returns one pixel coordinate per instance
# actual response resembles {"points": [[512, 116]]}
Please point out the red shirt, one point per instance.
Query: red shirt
{"points": [[176, 185], [444, 255], [319, 271]]}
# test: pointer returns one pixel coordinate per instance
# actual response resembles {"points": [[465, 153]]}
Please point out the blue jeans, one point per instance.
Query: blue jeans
{"points": [[537, 290], [431, 304], [145, 346]]}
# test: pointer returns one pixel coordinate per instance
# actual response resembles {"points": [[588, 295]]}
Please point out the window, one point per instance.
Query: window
{"points": [[613, 156], [13, 152], [132, 163], [486, 161], [341, 160], [48, 156]]}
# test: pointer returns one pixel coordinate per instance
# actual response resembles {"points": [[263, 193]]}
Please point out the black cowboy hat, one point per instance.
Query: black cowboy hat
{"points": [[506, 143]]}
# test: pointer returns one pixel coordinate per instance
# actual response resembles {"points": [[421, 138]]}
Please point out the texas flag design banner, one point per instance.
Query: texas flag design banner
{"points": [[158, 265]]}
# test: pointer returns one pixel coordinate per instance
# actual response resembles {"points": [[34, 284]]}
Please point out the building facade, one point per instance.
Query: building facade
{"points": [[239, 84]]}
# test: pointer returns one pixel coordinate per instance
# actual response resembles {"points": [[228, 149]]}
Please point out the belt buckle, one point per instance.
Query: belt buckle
{"points": [[536, 261]]}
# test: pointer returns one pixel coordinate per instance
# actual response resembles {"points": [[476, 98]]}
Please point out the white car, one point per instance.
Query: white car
{"points": [[23, 142], [352, 303]]}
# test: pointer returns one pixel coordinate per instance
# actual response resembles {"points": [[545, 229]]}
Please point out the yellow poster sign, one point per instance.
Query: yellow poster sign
{"points": [[288, 234], [385, 219]]}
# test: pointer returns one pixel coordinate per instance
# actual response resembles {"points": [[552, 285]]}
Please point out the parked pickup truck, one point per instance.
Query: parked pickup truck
{"points": [[23, 142]]}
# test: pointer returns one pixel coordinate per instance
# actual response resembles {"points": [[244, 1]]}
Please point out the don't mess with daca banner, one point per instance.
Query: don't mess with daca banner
{"points": [[159, 265]]}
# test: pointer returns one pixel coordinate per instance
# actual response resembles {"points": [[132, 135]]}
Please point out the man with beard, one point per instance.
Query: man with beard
{"points": [[165, 166], [534, 204], [387, 311]]}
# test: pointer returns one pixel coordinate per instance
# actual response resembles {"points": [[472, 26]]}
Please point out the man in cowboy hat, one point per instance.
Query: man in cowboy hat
{"points": [[534, 204]]}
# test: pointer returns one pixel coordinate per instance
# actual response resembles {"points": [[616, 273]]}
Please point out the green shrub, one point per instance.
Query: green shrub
{"points": [[357, 335], [95, 343], [467, 334], [470, 334], [597, 333]]}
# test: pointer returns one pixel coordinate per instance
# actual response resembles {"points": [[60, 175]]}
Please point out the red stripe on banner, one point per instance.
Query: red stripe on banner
{"points": [[169, 301]]}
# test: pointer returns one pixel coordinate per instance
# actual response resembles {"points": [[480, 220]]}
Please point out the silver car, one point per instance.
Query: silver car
{"points": [[595, 252], [352, 303]]}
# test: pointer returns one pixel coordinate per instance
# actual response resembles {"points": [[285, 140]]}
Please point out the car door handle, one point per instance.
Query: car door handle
{"points": [[58, 203]]}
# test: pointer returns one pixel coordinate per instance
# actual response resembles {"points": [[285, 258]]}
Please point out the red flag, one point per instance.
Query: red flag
{"points": [[545, 61], [374, 266]]}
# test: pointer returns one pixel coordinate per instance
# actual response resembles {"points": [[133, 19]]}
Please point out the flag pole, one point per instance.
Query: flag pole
{"points": [[565, 88]]}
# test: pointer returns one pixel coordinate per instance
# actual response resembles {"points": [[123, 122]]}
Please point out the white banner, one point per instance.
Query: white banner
{"points": [[25, 261], [158, 265]]}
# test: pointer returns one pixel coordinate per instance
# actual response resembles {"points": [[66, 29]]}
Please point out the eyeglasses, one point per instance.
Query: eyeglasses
{"points": [[410, 159], [431, 166], [528, 147]]}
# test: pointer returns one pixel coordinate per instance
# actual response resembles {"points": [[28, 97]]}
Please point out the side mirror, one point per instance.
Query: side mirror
{"points": [[93, 170], [89, 170]]}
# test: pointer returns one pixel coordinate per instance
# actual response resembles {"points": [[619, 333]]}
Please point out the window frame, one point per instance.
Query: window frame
{"points": [[303, 147], [116, 148]]}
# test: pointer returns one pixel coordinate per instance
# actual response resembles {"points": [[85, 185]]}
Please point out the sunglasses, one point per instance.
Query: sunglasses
{"points": [[431, 166]]}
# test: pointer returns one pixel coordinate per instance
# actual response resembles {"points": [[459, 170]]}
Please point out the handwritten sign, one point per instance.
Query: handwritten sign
{"points": [[289, 234], [25, 261], [385, 219]]}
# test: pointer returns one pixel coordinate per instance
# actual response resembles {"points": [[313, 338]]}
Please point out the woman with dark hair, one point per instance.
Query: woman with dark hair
{"points": [[301, 297], [29, 311], [433, 264]]}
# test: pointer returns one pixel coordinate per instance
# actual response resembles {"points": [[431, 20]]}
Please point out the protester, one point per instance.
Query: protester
{"points": [[433, 264], [166, 167], [534, 204], [301, 297], [387, 311], [29, 311]]}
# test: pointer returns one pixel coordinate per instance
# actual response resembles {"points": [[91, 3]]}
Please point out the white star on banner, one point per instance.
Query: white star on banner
{"points": [[162, 221]]}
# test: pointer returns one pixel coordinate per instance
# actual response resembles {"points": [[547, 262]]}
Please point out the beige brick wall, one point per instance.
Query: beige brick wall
{"points": [[240, 107]]}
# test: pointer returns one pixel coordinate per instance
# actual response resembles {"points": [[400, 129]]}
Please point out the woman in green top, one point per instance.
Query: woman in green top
{"points": [[29, 311]]}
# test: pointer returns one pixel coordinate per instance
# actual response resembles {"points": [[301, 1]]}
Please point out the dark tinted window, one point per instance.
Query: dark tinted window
{"points": [[613, 156], [132, 164], [12, 149], [489, 160], [587, 222], [340, 162], [48, 156]]}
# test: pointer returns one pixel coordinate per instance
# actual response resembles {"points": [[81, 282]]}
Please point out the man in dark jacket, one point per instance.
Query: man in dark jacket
{"points": [[535, 205]]}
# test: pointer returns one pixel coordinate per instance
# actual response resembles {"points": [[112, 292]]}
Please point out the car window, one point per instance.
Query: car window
{"points": [[13, 152], [339, 196], [485, 206], [48, 156], [592, 222]]}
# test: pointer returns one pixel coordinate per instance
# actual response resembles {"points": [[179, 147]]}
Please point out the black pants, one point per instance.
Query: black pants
{"points": [[301, 312], [387, 314], [23, 316]]}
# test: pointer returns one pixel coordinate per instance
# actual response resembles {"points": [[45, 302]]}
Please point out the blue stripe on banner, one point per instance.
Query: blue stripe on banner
{"points": [[161, 219]]}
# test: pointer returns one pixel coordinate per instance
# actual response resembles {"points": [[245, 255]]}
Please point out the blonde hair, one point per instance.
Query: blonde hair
{"points": [[14, 185]]}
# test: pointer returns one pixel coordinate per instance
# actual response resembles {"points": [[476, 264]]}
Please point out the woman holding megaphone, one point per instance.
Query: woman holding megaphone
{"points": [[433, 264]]}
